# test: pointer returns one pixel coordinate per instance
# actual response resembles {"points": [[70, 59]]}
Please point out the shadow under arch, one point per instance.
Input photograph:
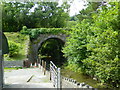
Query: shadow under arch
{"points": [[50, 50]]}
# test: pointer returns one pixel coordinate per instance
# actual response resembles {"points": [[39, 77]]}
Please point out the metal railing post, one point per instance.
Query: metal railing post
{"points": [[58, 79], [55, 76]]}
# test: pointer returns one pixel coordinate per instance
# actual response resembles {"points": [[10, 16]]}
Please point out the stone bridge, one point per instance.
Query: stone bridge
{"points": [[35, 44]]}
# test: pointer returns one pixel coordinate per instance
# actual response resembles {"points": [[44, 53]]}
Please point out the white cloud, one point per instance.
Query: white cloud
{"points": [[76, 6]]}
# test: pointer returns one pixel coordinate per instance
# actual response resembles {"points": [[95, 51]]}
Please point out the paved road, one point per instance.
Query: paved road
{"points": [[27, 78]]}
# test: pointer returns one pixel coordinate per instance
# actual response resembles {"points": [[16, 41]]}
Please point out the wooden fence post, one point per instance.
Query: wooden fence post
{"points": [[40, 64], [44, 67]]}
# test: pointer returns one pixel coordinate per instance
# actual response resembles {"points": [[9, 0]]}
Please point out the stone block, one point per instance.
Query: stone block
{"points": [[13, 63]]}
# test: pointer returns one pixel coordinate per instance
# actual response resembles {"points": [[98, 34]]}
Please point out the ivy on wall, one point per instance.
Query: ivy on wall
{"points": [[33, 33]]}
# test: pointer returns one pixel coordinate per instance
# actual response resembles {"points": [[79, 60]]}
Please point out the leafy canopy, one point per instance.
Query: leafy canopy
{"points": [[15, 15], [94, 45]]}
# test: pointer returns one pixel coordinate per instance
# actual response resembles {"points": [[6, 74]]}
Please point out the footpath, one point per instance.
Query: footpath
{"points": [[27, 78]]}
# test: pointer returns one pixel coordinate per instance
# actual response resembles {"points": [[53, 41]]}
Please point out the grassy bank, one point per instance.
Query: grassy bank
{"points": [[19, 39], [80, 77]]}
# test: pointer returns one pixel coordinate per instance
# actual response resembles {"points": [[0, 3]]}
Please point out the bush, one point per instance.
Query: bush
{"points": [[95, 46], [13, 48]]}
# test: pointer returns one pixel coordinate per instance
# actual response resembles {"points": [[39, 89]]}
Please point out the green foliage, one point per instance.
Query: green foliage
{"points": [[51, 14], [51, 50], [73, 18], [13, 48], [104, 45], [89, 11], [12, 68], [33, 33], [71, 24], [15, 15], [19, 39], [75, 49], [94, 47]]}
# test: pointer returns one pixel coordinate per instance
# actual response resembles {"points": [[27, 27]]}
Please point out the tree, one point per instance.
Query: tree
{"points": [[15, 15], [104, 45], [46, 14], [73, 18], [51, 14], [94, 46], [89, 11]]}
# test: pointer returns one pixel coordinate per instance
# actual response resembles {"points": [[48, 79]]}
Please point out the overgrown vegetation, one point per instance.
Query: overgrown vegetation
{"points": [[81, 77], [17, 46], [33, 33], [93, 46], [15, 15], [51, 51], [13, 48]]}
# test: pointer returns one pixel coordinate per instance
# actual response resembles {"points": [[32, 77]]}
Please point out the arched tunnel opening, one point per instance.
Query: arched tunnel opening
{"points": [[51, 50]]}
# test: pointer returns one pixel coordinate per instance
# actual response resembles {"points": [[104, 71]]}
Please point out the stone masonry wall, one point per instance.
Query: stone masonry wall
{"points": [[71, 83], [13, 63]]}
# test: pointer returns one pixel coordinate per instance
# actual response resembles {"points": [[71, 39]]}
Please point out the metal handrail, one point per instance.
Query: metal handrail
{"points": [[55, 76], [53, 64]]}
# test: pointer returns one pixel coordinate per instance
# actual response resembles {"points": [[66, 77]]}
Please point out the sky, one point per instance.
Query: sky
{"points": [[76, 6]]}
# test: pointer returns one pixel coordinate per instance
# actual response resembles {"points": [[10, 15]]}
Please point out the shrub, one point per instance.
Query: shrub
{"points": [[95, 46], [13, 48]]}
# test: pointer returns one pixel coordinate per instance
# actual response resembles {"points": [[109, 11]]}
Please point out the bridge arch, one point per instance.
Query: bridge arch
{"points": [[35, 44], [60, 37], [50, 50]]}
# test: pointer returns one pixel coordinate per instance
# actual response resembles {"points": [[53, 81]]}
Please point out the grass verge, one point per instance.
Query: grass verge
{"points": [[22, 40]]}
